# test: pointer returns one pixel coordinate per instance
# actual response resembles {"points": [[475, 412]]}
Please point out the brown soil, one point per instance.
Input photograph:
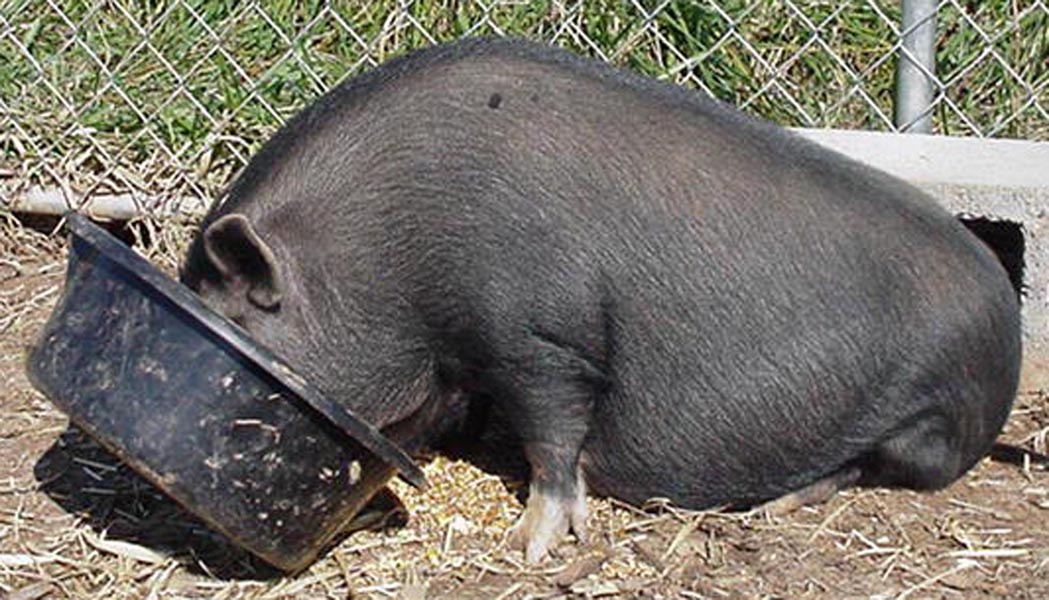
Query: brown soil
{"points": [[76, 524]]}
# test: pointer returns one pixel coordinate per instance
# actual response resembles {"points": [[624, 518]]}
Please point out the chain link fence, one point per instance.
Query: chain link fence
{"points": [[163, 101]]}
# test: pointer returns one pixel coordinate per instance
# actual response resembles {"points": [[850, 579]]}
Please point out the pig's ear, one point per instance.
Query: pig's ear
{"points": [[244, 261]]}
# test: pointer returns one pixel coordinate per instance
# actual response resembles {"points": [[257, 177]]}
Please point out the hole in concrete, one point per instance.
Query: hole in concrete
{"points": [[1006, 239]]}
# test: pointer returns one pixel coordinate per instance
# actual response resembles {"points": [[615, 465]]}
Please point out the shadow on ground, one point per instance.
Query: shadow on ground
{"points": [[88, 481]]}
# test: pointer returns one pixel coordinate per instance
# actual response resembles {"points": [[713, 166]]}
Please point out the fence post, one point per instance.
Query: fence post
{"points": [[916, 67]]}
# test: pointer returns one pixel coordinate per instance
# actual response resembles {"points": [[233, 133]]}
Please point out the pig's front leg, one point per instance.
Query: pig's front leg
{"points": [[548, 390]]}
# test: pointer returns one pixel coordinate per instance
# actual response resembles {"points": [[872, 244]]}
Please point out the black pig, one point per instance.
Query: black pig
{"points": [[665, 297]]}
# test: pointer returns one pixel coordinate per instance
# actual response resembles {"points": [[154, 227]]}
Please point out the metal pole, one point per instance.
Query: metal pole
{"points": [[916, 67]]}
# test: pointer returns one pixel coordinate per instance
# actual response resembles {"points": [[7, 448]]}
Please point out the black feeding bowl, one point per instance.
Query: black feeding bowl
{"points": [[212, 418]]}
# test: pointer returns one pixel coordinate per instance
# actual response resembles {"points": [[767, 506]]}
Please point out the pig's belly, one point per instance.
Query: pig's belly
{"points": [[700, 456]]}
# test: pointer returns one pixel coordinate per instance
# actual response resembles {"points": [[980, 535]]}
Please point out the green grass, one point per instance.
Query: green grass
{"points": [[82, 97]]}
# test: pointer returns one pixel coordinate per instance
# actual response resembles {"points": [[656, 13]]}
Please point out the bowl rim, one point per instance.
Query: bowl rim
{"points": [[182, 297]]}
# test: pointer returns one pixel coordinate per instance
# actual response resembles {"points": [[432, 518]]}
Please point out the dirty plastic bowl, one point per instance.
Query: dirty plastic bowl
{"points": [[213, 419]]}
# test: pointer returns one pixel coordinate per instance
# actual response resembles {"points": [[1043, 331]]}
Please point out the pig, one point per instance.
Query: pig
{"points": [[663, 296]]}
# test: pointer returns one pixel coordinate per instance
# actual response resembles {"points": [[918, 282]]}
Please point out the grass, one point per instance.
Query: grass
{"points": [[169, 99]]}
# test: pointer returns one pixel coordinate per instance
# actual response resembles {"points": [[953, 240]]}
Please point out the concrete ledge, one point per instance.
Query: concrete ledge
{"points": [[960, 161]]}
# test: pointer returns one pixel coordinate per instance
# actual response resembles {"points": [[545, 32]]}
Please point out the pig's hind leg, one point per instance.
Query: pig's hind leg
{"points": [[814, 493], [918, 455], [549, 391]]}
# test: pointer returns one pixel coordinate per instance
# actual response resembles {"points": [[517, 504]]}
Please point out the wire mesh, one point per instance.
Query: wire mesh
{"points": [[166, 100]]}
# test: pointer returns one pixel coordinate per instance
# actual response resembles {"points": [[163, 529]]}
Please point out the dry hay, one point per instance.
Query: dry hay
{"points": [[74, 523], [26, 256]]}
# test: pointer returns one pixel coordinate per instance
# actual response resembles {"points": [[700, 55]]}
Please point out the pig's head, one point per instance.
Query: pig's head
{"points": [[246, 273], [244, 276], [239, 272], [260, 275]]}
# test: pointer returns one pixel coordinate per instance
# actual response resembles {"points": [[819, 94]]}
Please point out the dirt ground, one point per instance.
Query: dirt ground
{"points": [[76, 524]]}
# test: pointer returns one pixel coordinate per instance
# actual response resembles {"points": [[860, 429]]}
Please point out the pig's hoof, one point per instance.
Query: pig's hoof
{"points": [[781, 507], [547, 518]]}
